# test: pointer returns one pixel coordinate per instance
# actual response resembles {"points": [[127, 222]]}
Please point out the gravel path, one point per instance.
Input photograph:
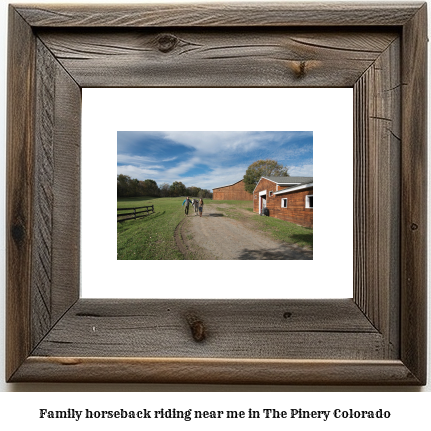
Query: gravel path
{"points": [[216, 236]]}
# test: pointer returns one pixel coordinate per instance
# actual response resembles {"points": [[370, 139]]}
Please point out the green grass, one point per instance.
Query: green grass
{"points": [[285, 231], [150, 237]]}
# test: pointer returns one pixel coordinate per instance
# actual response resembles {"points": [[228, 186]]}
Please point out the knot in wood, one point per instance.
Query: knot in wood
{"points": [[167, 42], [300, 69], [18, 233], [414, 226], [197, 328]]}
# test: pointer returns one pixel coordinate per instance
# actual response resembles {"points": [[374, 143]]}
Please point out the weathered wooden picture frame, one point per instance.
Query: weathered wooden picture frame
{"points": [[378, 337]]}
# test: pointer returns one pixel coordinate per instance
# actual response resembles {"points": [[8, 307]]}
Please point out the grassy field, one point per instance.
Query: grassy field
{"points": [[286, 232], [152, 237]]}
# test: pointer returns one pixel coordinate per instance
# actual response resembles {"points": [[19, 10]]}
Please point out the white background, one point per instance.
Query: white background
{"points": [[326, 112], [21, 409]]}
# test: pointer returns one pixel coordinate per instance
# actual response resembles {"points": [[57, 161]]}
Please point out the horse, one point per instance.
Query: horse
{"points": [[195, 204]]}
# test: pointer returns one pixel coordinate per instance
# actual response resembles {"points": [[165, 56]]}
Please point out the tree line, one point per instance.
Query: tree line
{"points": [[132, 187]]}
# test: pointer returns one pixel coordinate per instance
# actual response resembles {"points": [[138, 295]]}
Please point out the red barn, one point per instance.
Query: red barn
{"points": [[285, 198], [232, 192]]}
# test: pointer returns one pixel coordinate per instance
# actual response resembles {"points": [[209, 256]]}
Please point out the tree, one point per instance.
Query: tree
{"points": [[207, 194], [122, 185], [132, 187], [164, 190], [150, 188], [127, 186], [177, 188], [263, 168], [192, 191]]}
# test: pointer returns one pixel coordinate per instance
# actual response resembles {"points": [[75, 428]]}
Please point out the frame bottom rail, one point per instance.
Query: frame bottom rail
{"points": [[214, 371]]}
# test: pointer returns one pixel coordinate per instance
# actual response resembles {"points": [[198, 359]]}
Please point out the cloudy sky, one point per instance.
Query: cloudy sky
{"points": [[209, 159]]}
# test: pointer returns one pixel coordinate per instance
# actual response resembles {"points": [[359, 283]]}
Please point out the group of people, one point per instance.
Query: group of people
{"points": [[187, 203]]}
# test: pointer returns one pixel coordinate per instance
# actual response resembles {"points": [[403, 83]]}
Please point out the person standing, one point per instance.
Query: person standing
{"points": [[186, 202], [201, 207]]}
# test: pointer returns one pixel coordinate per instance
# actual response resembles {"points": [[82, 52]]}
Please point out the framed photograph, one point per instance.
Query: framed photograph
{"points": [[377, 337], [225, 243]]}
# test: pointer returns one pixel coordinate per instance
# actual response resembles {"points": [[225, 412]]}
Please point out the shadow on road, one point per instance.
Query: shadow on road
{"points": [[306, 238], [275, 254], [216, 215]]}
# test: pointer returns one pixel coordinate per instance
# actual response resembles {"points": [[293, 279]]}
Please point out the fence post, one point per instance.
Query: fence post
{"points": [[134, 210]]}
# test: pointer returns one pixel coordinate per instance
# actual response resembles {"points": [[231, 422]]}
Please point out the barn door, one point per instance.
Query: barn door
{"points": [[262, 201]]}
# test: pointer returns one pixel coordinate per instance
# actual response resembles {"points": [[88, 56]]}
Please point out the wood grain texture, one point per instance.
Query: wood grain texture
{"points": [[220, 15], [55, 278], [19, 198], [43, 194], [216, 58], [414, 195], [378, 338], [377, 149], [216, 371], [234, 329], [66, 189]]}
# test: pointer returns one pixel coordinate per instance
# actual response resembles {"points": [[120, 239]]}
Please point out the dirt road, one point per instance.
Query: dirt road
{"points": [[217, 236]]}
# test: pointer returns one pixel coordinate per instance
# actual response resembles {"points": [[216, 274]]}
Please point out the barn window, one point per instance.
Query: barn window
{"points": [[309, 201], [284, 203]]}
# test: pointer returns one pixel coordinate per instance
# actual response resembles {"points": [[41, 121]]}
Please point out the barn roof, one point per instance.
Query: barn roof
{"points": [[290, 180], [303, 186]]}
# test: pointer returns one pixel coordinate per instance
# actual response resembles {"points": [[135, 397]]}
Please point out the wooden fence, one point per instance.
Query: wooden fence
{"points": [[148, 210]]}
